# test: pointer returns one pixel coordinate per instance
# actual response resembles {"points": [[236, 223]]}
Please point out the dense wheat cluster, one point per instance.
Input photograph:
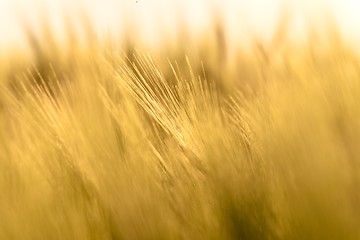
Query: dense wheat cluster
{"points": [[115, 140]]}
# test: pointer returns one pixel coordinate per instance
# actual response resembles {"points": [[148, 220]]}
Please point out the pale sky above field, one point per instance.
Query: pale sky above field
{"points": [[155, 16]]}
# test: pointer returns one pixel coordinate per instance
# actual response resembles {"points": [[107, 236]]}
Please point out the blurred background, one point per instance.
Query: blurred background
{"points": [[156, 20]]}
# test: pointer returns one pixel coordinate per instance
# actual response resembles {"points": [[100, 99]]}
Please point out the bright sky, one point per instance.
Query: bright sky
{"points": [[155, 16]]}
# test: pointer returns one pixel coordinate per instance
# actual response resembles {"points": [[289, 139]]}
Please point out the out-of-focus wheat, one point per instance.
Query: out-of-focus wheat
{"points": [[109, 142]]}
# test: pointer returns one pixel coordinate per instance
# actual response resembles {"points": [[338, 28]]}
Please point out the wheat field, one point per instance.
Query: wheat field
{"points": [[116, 140]]}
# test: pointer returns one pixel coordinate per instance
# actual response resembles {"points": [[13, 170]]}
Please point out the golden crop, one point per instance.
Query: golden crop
{"points": [[118, 141]]}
